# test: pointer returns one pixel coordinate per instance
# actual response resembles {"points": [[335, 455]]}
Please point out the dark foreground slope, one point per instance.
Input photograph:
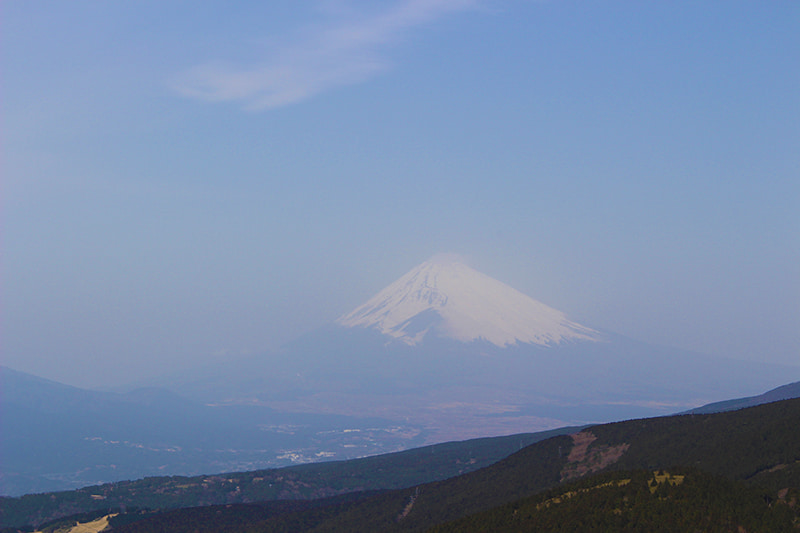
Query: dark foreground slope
{"points": [[757, 450], [642, 500], [309, 481]]}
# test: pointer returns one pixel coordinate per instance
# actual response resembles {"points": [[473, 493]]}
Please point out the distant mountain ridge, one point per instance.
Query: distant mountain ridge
{"points": [[784, 392], [445, 297], [57, 437]]}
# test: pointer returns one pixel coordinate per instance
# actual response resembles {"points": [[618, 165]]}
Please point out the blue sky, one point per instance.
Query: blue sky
{"points": [[188, 181]]}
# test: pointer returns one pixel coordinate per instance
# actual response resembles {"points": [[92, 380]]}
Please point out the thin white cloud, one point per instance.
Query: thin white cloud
{"points": [[341, 53]]}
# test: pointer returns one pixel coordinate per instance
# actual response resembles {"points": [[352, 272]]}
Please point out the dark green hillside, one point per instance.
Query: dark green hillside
{"points": [[734, 461], [529, 471], [749, 457], [524, 473], [316, 480], [760, 445], [642, 500], [232, 517], [739, 444]]}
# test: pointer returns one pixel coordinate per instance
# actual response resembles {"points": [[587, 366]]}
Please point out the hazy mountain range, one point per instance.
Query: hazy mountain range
{"points": [[464, 355], [444, 353], [58, 437]]}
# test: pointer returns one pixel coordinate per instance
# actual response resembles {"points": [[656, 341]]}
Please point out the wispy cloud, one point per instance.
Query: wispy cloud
{"points": [[339, 53]]}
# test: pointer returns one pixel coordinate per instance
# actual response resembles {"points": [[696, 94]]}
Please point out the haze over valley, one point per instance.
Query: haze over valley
{"points": [[445, 353], [464, 355], [267, 254]]}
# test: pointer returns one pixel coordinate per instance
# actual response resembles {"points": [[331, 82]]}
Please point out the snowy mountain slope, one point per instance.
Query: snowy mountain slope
{"points": [[457, 354], [446, 298]]}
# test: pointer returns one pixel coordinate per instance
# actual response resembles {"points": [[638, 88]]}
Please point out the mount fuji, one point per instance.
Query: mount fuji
{"points": [[444, 297], [458, 354]]}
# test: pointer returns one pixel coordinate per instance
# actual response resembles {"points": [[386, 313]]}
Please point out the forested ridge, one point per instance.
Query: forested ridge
{"points": [[738, 471], [302, 482], [680, 499]]}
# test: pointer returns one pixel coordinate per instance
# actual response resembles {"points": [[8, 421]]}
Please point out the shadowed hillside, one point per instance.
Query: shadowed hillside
{"points": [[755, 453], [310, 481], [642, 500]]}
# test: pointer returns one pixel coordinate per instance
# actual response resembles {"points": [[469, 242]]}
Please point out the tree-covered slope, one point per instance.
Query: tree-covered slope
{"points": [[759, 446], [745, 455], [309, 481], [642, 500]]}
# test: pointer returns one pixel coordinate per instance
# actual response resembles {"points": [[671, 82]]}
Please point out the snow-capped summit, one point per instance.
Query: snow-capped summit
{"points": [[444, 297]]}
